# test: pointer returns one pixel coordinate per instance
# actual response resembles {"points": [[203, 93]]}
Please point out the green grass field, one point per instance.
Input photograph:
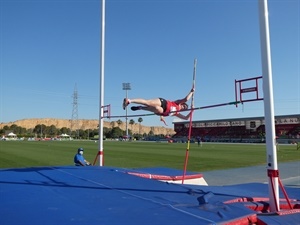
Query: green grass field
{"points": [[211, 156]]}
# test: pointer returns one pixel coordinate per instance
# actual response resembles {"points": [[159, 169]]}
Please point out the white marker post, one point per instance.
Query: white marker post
{"points": [[101, 113], [268, 106]]}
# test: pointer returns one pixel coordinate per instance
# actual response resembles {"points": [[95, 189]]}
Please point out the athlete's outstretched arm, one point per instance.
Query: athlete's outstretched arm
{"points": [[179, 115], [162, 119], [186, 98]]}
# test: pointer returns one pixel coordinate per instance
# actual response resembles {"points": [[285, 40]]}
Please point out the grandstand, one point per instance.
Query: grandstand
{"points": [[241, 130]]}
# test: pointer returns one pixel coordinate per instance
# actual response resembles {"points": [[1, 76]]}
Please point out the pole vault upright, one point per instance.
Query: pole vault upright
{"points": [[268, 106], [101, 110]]}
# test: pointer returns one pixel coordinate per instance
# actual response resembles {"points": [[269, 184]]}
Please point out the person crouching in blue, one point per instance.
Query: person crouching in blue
{"points": [[79, 160]]}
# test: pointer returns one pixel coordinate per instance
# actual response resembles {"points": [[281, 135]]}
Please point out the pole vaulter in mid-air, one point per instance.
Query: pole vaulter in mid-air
{"points": [[161, 106]]}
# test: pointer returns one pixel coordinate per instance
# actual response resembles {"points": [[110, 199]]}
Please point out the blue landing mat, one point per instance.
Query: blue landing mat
{"points": [[109, 196]]}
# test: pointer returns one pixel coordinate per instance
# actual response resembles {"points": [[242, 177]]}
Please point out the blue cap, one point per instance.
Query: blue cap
{"points": [[80, 149]]}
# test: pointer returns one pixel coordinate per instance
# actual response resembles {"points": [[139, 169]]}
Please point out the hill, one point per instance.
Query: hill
{"points": [[88, 124]]}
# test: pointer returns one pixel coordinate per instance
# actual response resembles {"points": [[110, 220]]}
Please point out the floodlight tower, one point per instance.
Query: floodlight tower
{"points": [[74, 120], [126, 87]]}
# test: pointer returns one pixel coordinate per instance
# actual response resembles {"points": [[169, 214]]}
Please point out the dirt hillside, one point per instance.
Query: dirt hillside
{"points": [[88, 124]]}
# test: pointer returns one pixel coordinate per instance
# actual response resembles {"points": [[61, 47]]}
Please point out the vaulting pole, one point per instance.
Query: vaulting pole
{"points": [[272, 169], [190, 124]]}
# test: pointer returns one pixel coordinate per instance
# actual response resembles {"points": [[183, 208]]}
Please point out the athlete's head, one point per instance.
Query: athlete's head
{"points": [[80, 151], [184, 106]]}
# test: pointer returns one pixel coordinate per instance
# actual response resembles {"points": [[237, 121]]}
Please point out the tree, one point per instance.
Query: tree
{"points": [[112, 123], [14, 128], [116, 132], [119, 122], [65, 130], [140, 120], [39, 129], [107, 132], [131, 122], [52, 130]]}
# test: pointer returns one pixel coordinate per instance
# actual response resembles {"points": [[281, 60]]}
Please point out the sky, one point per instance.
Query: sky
{"points": [[51, 48]]}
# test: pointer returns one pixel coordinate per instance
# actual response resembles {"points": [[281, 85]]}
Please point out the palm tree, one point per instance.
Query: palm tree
{"points": [[140, 120], [131, 122], [119, 122]]}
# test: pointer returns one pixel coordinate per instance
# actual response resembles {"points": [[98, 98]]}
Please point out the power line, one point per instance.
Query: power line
{"points": [[74, 120]]}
